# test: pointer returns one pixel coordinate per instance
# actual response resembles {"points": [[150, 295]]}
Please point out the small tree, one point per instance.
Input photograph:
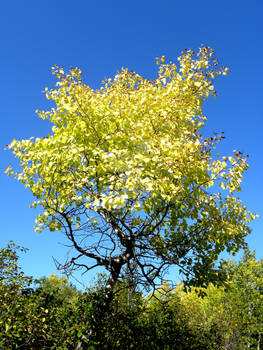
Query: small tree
{"points": [[12, 283], [128, 178], [12, 278], [243, 302]]}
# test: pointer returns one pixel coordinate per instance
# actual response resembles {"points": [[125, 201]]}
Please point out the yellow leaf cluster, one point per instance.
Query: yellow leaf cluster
{"points": [[131, 144]]}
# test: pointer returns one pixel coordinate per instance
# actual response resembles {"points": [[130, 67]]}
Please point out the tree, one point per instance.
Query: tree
{"points": [[176, 321], [234, 311], [35, 319], [128, 178], [243, 302], [13, 283], [56, 290], [12, 278]]}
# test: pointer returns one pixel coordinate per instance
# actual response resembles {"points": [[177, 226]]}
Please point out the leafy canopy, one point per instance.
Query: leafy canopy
{"points": [[11, 276], [128, 177]]}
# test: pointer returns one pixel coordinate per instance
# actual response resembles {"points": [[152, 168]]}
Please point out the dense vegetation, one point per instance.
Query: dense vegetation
{"points": [[54, 315]]}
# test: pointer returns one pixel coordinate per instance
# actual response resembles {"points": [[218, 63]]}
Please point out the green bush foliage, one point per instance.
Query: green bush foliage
{"points": [[55, 315]]}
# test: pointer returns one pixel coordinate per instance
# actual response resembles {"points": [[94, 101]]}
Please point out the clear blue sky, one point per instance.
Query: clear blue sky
{"points": [[100, 37]]}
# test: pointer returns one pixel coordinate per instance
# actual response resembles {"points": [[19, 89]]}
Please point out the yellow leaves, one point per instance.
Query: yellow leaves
{"points": [[226, 71], [223, 185], [137, 206], [132, 141], [162, 59], [198, 84], [8, 171]]}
